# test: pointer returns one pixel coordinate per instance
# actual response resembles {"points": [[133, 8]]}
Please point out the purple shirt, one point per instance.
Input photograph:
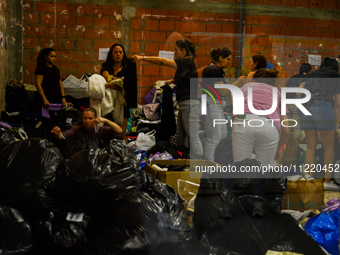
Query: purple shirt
{"points": [[105, 133], [263, 100]]}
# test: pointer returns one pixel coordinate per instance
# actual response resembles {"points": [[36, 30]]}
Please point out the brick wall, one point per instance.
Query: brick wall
{"points": [[77, 31], [3, 52]]}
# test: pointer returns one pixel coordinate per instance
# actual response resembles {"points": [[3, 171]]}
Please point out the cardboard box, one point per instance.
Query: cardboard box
{"points": [[171, 177]]}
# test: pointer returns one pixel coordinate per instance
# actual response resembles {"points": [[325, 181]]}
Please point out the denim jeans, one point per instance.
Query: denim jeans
{"points": [[265, 139], [187, 127], [213, 134]]}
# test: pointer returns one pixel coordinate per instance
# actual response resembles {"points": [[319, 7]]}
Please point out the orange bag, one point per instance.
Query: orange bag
{"points": [[303, 195]]}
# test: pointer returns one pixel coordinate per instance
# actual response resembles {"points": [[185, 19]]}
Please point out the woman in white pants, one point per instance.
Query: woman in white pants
{"points": [[262, 134]]}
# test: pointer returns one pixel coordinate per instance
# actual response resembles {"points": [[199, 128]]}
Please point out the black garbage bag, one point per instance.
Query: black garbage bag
{"points": [[63, 232], [243, 234], [15, 232], [66, 119], [97, 178], [216, 196], [166, 242], [17, 98], [163, 194], [28, 168], [139, 224], [69, 148], [224, 152], [6, 138]]}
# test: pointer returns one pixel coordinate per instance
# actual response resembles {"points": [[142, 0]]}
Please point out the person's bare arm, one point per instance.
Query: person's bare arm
{"points": [[116, 128], [283, 137], [222, 92], [302, 85], [62, 92], [58, 134], [155, 60], [105, 74], [240, 81], [38, 82]]}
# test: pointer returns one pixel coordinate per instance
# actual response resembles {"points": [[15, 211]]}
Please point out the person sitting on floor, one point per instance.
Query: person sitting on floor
{"points": [[90, 128]]}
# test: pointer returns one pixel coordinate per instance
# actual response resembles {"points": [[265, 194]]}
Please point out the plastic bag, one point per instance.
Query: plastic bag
{"points": [[145, 141], [274, 231], [150, 111], [324, 228], [27, 169], [70, 147], [98, 177], [73, 82], [161, 156], [224, 152], [6, 138], [15, 232], [303, 195], [331, 205], [97, 86], [63, 232], [148, 221]]}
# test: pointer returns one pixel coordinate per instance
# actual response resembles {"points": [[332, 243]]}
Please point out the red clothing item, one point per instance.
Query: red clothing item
{"points": [[105, 133]]}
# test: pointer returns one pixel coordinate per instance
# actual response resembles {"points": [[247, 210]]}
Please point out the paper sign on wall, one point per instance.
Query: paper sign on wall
{"points": [[314, 60], [166, 54], [103, 53]]}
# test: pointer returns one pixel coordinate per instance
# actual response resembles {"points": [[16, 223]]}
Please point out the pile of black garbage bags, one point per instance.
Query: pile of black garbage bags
{"points": [[98, 201]]}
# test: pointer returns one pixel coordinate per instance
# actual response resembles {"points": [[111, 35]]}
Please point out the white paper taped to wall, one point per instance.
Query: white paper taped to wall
{"points": [[314, 60], [166, 54], [103, 53]]}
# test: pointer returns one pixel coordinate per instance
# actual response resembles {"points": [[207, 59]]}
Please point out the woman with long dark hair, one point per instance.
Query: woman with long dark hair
{"points": [[186, 95], [257, 62], [115, 68], [324, 87], [116, 63], [48, 80], [215, 72]]}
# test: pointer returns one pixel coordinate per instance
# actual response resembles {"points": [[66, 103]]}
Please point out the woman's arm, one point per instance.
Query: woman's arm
{"points": [[113, 86], [283, 137], [62, 92], [337, 114], [58, 134], [116, 128], [240, 81], [38, 82], [302, 85], [105, 74], [156, 60]]}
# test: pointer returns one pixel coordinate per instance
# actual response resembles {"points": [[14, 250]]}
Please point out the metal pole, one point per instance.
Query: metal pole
{"points": [[240, 40]]}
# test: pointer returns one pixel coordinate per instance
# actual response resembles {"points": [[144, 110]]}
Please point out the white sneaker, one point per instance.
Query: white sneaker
{"points": [[331, 186]]}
